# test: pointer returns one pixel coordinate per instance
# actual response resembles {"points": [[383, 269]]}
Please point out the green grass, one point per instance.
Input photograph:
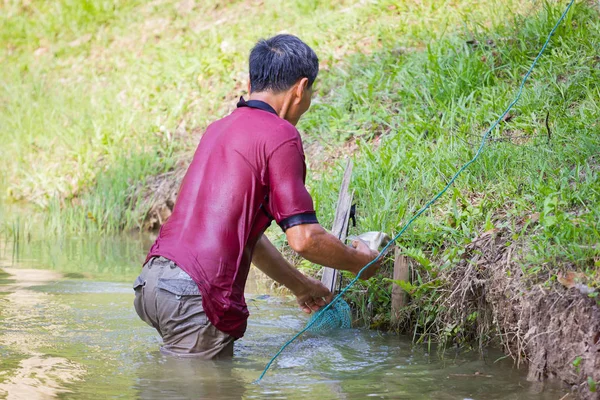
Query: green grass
{"points": [[429, 109], [99, 96]]}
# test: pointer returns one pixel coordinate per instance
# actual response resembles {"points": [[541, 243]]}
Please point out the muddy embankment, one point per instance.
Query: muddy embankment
{"points": [[553, 328]]}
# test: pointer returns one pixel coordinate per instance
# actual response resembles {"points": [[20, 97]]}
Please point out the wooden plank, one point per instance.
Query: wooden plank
{"points": [[340, 224], [401, 273]]}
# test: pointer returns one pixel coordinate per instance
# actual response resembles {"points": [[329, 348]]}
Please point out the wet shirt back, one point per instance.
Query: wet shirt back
{"points": [[248, 169]]}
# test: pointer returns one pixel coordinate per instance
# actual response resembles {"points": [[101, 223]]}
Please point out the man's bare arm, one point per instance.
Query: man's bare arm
{"points": [[309, 292], [317, 245]]}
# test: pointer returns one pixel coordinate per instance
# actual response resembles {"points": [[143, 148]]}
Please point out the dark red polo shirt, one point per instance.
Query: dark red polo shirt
{"points": [[247, 170]]}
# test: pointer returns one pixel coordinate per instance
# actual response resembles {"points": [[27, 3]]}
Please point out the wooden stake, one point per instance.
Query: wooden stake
{"points": [[401, 273], [340, 224]]}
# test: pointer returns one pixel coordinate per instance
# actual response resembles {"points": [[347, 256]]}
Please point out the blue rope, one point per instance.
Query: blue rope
{"points": [[430, 202]]}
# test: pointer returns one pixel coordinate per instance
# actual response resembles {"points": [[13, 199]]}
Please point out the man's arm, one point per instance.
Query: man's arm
{"points": [[292, 207], [309, 292], [317, 245]]}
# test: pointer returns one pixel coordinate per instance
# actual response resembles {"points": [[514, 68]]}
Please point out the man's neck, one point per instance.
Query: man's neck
{"points": [[271, 99]]}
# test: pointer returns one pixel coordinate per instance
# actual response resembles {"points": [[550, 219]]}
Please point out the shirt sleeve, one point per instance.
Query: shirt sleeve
{"points": [[289, 202]]}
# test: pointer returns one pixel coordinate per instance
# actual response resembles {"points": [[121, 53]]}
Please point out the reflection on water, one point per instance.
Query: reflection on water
{"points": [[36, 376], [68, 330]]}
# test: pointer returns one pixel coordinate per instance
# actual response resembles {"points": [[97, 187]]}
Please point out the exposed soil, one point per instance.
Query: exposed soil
{"points": [[555, 330], [158, 197]]}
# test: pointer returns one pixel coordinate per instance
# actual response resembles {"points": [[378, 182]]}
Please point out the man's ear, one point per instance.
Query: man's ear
{"points": [[301, 90], [249, 86]]}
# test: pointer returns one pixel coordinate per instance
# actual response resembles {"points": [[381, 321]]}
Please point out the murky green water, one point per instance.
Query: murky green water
{"points": [[68, 330]]}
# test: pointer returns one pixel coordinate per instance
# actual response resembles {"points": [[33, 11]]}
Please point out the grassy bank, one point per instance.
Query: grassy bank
{"points": [[98, 96], [414, 117]]}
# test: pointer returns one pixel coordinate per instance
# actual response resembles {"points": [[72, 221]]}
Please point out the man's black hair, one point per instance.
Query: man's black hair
{"points": [[277, 63]]}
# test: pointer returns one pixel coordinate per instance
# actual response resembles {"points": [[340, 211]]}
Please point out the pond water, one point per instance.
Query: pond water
{"points": [[68, 330]]}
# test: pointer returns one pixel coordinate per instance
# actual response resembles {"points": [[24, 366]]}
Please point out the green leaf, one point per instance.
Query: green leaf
{"points": [[591, 384], [549, 220], [419, 256], [406, 286]]}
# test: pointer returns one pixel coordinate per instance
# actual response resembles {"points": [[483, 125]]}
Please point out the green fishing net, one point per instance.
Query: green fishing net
{"points": [[338, 316]]}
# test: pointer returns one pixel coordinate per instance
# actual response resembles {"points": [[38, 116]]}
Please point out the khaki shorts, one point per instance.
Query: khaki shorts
{"points": [[167, 299]]}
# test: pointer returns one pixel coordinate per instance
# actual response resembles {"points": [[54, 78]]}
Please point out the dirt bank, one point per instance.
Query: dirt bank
{"points": [[555, 330], [158, 197]]}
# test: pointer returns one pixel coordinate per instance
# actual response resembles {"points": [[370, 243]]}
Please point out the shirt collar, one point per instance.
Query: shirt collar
{"points": [[261, 105]]}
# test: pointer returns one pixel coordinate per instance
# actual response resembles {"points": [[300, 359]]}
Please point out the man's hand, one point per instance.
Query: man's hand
{"points": [[367, 255], [313, 295]]}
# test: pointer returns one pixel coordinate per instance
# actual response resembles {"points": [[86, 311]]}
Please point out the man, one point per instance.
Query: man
{"points": [[247, 171]]}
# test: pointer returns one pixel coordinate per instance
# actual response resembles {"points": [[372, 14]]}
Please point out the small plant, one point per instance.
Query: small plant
{"points": [[577, 362], [591, 384]]}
